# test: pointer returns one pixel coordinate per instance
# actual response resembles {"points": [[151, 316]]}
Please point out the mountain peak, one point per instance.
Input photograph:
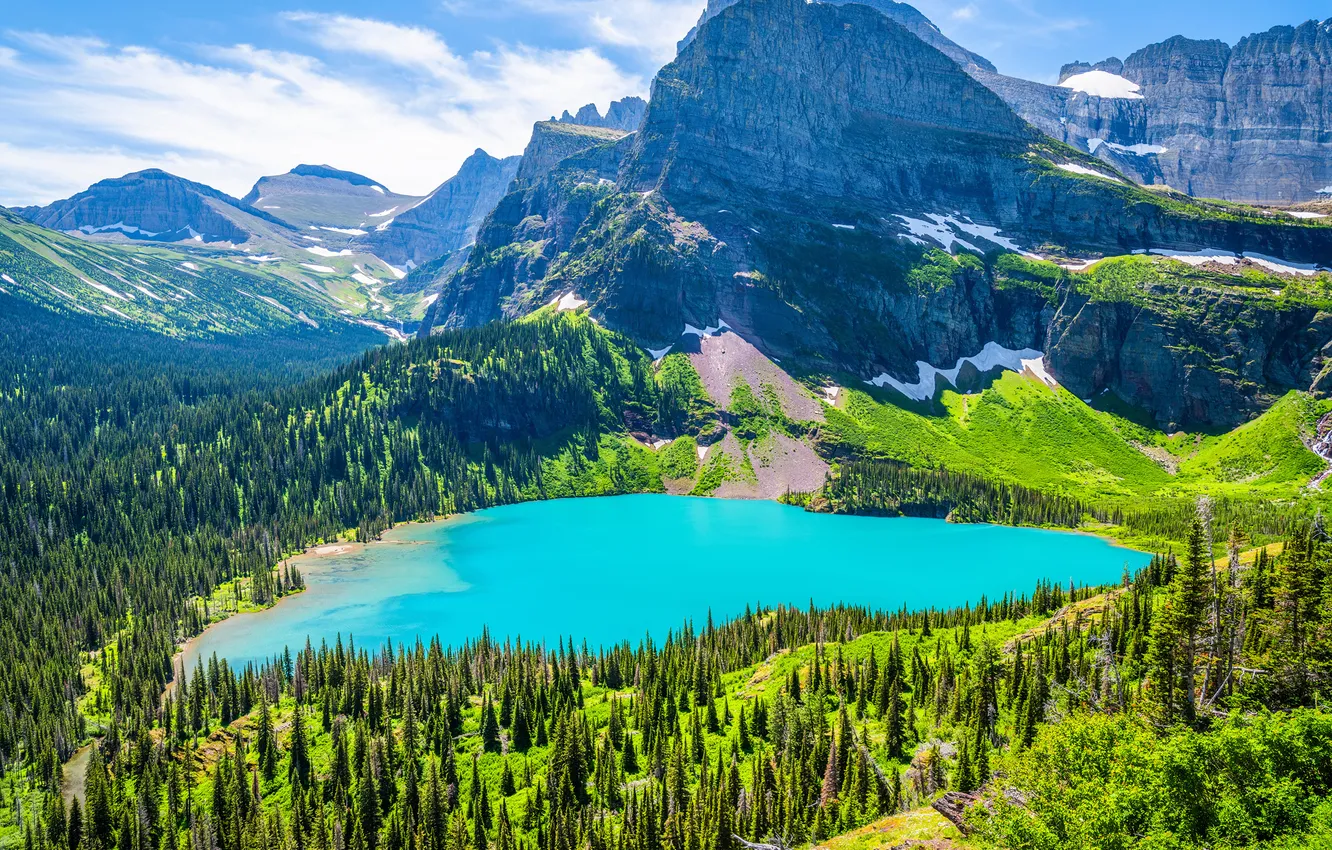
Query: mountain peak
{"points": [[625, 114], [901, 13], [331, 173]]}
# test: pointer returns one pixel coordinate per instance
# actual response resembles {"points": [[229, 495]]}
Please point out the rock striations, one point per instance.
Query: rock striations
{"points": [[1250, 123], [796, 174], [153, 206], [447, 220]]}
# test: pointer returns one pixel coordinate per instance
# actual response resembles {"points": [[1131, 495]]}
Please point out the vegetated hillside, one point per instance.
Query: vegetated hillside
{"points": [[1054, 720], [113, 470], [176, 293]]}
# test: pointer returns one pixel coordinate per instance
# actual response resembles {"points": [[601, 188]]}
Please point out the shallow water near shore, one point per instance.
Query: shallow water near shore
{"points": [[613, 569]]}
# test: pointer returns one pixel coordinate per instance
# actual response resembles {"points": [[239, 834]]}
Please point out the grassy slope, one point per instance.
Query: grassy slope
{"points": [[1023, 431], [180, 291]]}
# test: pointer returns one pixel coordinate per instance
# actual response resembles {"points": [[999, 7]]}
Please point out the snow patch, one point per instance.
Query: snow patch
{"points": [[1304, 215], [943, 229], [702, 452], [1200, 258], [1103, 84], [189, 267], [9, 280], [379, 189], [101, 287], [389, 211], [830, 395], [429, 299], [110, 309], [1326, 190], [1082, 169], [349, 231], [380, 228], [657, 444], [569, 302], [395, 271], [364, 279], [1138, 149], [705, 332], [991, 356], [658, 353], [315, 267], [118, 226], [147, 292], [320, 251], [1280, 266], [845, 226], [1082, 266]]}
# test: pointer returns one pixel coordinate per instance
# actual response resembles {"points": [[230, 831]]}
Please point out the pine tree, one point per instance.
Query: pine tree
{"points": [[490, 737], [298, 769]]}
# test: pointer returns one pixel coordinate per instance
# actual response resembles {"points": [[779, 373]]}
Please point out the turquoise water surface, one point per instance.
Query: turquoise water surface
{"points": [[612, 569]]}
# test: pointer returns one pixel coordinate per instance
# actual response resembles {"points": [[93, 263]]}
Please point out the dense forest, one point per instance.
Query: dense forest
{"points": [[1178, 705], [126, 486], [134, 488]]}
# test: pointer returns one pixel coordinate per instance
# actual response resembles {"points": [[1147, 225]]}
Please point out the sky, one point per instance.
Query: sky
{"points": [[404, 90]]}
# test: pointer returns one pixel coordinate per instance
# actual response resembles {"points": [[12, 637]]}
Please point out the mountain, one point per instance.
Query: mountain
{"points": [[624, 115], [324, 197], [168, 290], [844, 196], [447, 219], [1250, 123], [908, 16], [154, 206]]}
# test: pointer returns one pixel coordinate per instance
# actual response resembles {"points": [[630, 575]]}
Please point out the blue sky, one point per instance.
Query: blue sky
{"points": [[404, 90]]}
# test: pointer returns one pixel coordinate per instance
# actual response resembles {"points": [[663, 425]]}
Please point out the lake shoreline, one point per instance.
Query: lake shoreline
{"points": [[311, 561]]}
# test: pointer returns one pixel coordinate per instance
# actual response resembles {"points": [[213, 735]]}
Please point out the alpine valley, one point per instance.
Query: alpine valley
{"points": [[835, 263]]}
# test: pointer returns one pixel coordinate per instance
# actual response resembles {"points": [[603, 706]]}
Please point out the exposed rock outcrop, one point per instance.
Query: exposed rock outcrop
{"points": [[625, 115], [153, 206], [901, 13], [1250, 123], [797, 167], [448, 219], [321, 196]]}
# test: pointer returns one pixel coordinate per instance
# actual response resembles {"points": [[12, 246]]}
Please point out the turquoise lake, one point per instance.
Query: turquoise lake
{"points": [[613, 569]]}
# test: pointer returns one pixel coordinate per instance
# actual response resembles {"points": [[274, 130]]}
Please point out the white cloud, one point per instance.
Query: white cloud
{"points": [[652, 26], [965, 13], [79, 110]]}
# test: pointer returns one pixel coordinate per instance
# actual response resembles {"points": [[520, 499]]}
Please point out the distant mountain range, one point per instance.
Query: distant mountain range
{"points": [[850, 190]]}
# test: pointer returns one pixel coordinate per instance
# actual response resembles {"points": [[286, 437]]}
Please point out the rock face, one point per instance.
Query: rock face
{"points": [[624, 115], [798, 167], [152, 206], [1214, 361], [554, 141], [320, 196], [1249, 123], [907, 16], [447, 220]]}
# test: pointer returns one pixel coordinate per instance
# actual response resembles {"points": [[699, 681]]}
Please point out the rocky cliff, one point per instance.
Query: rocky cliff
{"points": [[802, 173], [624, 115], [907, 16], [153, 206], [446, 220], [1251, 123]]}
